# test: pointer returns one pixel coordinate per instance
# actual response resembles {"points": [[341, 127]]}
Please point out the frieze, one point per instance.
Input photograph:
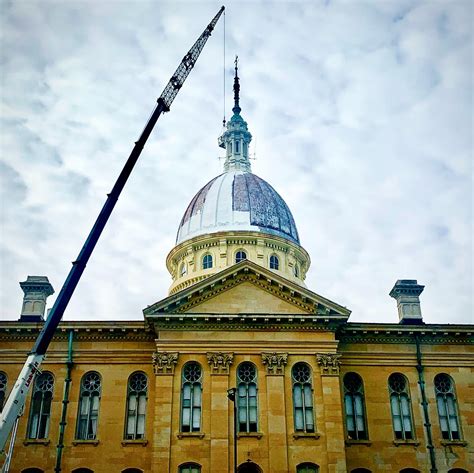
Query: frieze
{"points": [[275, 362], [220, 362], [164, 362], [329, 363]]}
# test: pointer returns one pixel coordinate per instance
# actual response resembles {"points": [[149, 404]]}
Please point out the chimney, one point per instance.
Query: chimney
{"points": [[406, 292], [36, 289]]}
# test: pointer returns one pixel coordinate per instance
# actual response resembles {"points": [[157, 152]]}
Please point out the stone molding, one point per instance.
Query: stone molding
{"points": [[220, 362], [164, 362], [275, 363], [329, 363]]}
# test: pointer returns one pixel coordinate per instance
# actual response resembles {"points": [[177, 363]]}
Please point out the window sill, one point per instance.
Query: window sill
{"points": [[199, 435], [456, 443], [127, 443], [257, 435], [36, 442], [399, 442], [368, 443], [85, 442], [314, 435]]}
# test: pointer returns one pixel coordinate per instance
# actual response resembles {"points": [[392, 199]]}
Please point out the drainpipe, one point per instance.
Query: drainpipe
{"points": [[63, 422], [424, 403]]}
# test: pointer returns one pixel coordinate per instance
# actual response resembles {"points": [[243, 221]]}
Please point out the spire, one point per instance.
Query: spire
{"points": [[236, 138]]}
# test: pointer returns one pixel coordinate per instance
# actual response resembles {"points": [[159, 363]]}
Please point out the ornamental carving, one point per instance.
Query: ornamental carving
{"points": [[275, 362], [220, 362], [164, 362], [329, 363]]}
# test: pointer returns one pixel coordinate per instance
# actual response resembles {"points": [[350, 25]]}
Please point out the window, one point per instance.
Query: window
{"points": [[132, 470], [354, 405], [240, 256], [3, 389], [274, 263], [190, 468], [207, 262], [447, 407], [89, 406], [237, 146], [247, 397], [409, 470], [191, 391], [136, 406], [302, 398], [82, 470], [307, 468], [40, 409], [182, 269], [296, 270], [361, 470], [400, 406], [32, 470]]}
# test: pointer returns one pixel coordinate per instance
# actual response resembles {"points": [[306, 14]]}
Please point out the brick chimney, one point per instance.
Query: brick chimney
{"points": [[36, 289], [406, 292]]}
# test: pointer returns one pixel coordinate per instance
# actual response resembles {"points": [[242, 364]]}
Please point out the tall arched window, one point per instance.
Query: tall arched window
{"points": [[307, 468], [40, 409], [89, 406], [136, 406], [190, 468], [447, 407], [32, 470], [354, 405], [240, 256], [82, 470], [207, 261], [302, 398], [132, 470], [296, 270], [247, 397], [400, 406], [361, 470], [3, 389], [183, 269], [409, 470], [191, 394], [274, 262]]}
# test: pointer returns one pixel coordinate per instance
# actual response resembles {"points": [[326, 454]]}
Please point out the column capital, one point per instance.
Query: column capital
{"points": [[164, 362], [329, 363], [220, 362], [275, 362]]}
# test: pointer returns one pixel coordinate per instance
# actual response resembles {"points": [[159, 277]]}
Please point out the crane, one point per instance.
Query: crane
{"points": [[15, 403]]}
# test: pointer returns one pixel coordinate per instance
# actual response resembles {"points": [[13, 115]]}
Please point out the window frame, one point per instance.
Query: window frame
{"points": [[307, 467], [193, 397], [354, 416], [188, 467], [39, 418], [137, 394], [245, 398], [274, 262], [92, 415], [3, 388], [205, 261], [450, 416], [397, 396], [304, 408], [238, 256]]}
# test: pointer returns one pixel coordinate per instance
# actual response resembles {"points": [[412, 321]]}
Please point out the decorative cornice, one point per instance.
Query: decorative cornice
{"points": [[275, 363], [164, 362], [329, 363], [220, 362]]}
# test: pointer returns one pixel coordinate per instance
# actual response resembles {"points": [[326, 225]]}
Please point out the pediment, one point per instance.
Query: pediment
{"points": [[247, 288]]}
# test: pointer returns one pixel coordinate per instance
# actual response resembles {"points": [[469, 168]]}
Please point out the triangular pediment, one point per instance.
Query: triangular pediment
{"points": [[247, 288]]}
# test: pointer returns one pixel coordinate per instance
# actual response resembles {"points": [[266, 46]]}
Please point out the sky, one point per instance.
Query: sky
{"points": [[362, 120]]}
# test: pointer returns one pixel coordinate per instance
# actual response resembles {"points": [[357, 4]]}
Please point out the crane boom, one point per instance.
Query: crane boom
{"points": [[18, 394]]}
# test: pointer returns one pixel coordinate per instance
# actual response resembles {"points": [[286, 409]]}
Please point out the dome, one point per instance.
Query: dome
{"points": [[237, 201]]}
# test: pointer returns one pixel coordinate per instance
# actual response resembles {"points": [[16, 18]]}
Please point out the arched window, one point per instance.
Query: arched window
{"points": [[182, 269], [274, 262], [296, 270], [458, 470], [447, 407], [82, 470], [400, 406], [207, 261], [32, 470], [302, 398], [40, 409], [409, 470], [3, 389], [361, 470], [132, 470], [307, 468], [354, 405], [89, 406], [190, 468], [240, 256], [247, 397], [191, 391], [136, 406]]}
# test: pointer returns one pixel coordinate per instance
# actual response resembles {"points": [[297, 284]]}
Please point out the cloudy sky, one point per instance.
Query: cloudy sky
{"points": [[361, 114]]}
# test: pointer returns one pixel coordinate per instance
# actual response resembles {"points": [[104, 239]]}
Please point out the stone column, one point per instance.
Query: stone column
{"points": [[220, 428], [276, 429], [333, 411], [163, 364]]}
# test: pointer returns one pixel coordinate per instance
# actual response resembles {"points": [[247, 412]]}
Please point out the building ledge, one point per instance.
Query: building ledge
{"points": [[257, 435], [85, 442], [455, 443], [299, 435], [412, 442], [128, 443], [349, 442], [199, 435], [36, 442]]}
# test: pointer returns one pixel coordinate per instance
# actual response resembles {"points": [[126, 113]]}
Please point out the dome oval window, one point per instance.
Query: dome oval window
{"points": [[274, 262], [207, 261], [240, 256]]}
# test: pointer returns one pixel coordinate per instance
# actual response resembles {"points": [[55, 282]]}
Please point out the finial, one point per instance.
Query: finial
{"points": [[236, 108]]}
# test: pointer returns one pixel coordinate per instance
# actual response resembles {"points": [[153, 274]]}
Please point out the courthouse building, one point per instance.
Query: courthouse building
{"points": [[312, 392]]}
